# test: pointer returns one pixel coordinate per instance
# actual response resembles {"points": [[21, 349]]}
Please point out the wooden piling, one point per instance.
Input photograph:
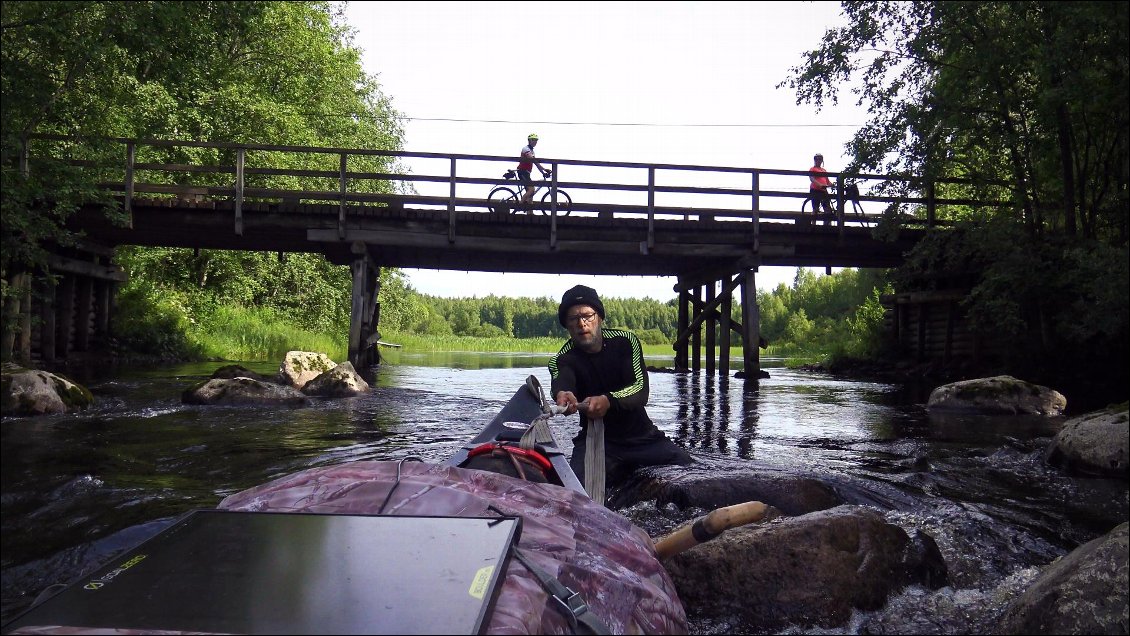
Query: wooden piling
{"points": [[364, 313], [684, 321], [66, 316], [711, 328], [696, 334], [24, 343], [103, 299], [47, 321], [725, 326], [751, 336], [84, 303]]}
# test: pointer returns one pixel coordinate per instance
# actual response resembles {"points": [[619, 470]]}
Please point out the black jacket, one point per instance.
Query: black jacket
{"points": [[617, 372]]}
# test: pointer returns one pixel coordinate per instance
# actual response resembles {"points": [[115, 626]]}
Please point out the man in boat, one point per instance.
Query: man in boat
{"points": [[600, 372]]}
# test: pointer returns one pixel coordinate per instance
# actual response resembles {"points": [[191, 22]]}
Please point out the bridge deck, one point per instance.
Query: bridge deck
{"points": [[626, 218], [486, 241]]}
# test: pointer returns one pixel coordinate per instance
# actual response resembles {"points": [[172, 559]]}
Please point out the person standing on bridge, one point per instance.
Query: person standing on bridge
{"points": [[600, 372], [526, 163], [818, 186]]}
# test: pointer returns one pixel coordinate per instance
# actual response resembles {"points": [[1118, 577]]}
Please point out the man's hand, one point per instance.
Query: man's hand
{"points": [[568, 400], [595, 406]]}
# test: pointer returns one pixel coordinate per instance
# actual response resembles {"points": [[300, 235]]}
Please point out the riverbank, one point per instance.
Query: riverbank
{"points": [[1084, 393]]}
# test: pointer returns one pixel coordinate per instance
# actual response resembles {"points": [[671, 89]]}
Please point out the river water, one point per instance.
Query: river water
{"points": [[78, 489]]}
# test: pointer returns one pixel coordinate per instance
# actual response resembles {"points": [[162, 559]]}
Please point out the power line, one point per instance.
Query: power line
{"points": [[646, 125], [379, 117]]}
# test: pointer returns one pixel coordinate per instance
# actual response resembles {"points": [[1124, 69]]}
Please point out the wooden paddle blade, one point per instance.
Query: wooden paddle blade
{"points": [[723, 519], [709, 526]]}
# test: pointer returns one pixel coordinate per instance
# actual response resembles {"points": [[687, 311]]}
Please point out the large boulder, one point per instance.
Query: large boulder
{"points": [[230, 371], [811, 570], [36, 392], [690, 486], [299, 367], [340, 381], [999, 395], [233, 391], [1094, 444], [1084, 592]]}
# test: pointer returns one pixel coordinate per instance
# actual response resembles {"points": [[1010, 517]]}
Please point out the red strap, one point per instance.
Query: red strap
{"points": [[532, 455]]}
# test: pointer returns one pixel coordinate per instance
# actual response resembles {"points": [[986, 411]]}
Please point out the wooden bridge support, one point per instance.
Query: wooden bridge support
{"points": [[680, 346], [715, 313], [930, 326], [711, 330], [68, 311], [365, 312], [751, 319], [16, 306], [695, 330]]}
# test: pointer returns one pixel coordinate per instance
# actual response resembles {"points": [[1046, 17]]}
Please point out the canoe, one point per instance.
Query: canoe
{"points": [[386, 547], [506, 430]]}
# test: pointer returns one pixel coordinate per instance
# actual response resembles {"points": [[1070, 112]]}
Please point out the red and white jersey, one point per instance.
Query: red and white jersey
{"points": [[527, 162]]}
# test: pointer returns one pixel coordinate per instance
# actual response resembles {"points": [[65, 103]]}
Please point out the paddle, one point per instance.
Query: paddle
{"points": [[594, 455], [707, 527]]}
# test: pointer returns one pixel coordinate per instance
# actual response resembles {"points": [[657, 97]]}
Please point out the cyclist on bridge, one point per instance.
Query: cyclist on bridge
{"points": [[526, 163], [818, 185]]}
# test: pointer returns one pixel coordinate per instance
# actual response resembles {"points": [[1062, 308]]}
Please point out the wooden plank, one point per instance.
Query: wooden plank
{"points": [[103, 299], [183, 167], [940, 296], [47, 321], [131, 150], [83, 268], [84, 313], [240, 161], [522, 245], [66, 314], [24, 342], [342, 189]]}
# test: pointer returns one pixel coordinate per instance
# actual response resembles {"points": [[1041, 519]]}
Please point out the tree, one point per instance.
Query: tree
{"points": [[1031, 95], [256, 72], [1029, 100]]}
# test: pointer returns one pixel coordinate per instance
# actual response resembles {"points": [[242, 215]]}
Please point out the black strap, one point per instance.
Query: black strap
{"points": [[581, 620]]}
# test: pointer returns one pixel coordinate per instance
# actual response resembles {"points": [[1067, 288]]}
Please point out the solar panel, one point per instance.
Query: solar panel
{"points": [[280, 573]]}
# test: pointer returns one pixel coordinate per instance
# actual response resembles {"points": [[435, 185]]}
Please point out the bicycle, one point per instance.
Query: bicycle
{"points": [[503, 198], [851, 195]]}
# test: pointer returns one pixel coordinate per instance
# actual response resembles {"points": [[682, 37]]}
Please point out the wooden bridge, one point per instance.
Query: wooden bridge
{"points": [[712, 227]]}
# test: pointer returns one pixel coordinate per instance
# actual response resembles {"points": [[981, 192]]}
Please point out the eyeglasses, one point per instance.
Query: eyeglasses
{"points": [[579, 318]]}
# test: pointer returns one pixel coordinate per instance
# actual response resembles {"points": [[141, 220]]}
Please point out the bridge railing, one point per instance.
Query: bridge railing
{"points": [[202, 171]]}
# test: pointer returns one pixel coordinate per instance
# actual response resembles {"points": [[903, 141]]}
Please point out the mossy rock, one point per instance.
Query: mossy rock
{"points": [[36, 392], [999, 395]]}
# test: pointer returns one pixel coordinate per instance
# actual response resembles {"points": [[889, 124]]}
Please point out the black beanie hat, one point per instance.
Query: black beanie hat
{"points": [[579, 295]]}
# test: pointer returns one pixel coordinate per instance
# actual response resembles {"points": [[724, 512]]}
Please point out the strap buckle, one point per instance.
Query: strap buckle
{"points": [[574, 606]]}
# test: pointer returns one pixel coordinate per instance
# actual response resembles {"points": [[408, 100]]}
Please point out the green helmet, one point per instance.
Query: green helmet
{"points": [[532, 136]]}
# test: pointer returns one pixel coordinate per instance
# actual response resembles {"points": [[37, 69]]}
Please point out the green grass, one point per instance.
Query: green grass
{"points": [[504, 344], [255, 334], [471, 343]]}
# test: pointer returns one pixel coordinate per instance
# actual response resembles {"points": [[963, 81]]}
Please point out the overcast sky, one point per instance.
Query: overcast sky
{"points": [[649, 82]]}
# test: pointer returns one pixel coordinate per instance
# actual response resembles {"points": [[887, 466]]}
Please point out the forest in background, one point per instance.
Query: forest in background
{"points": [[837, 314], [1023, 101]]}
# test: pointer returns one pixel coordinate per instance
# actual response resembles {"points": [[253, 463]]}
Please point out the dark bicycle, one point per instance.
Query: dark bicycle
{"points": [[505, 198], [851, 195]]}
